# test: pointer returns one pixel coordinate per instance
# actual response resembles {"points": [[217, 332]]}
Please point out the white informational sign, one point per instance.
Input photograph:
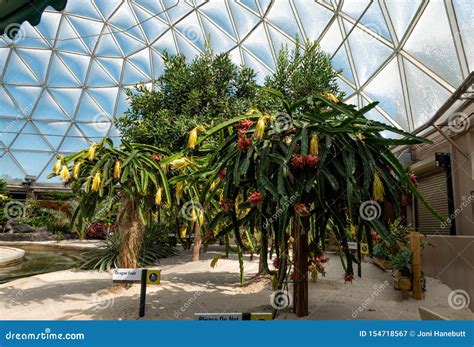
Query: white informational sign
{"points": [[352, 246], [218, 316], [126, 275]]}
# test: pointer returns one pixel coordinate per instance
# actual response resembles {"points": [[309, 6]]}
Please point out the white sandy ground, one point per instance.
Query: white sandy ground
{"points": [[189, 287]]}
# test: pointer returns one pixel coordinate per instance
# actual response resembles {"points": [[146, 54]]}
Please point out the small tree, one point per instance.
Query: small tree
{"points": [[132, 175]]}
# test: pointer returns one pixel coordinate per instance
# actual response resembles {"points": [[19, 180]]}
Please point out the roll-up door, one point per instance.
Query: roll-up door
{"points": [[434, 189]]}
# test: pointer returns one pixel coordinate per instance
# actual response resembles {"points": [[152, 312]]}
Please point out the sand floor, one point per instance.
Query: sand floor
{"points": [[190, 287]]}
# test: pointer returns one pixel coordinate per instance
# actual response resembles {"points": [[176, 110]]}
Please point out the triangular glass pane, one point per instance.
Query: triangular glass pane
{"points": [[219, 16], [78, 64], [7, 106], [88, 30], [186, 48], [95, 130], [374, 20], [11, 126], [176, 10], [258, 44], [401, 13], [123, 19], [344, 87], [32, 162], [426, 96], [166, 43], [132, 76], [245, 20], [51, 129], [114, 135], [107, 45], [252, 4], [281, 15], [313, 16], [17, 72], [82, 8], [107, 7], [48, 109], [141, 60], [105, 97], [9, 170], [25, 97], [37, 60], [59, 75], [260, 70], [74, 141], [113, 66], [279, 40], [88, 109], [122, 104], [26, 141], [151, 25], [4, 52], [386, 87], [367, 53], [431, 42], [98, 77], [127, 43], [68, 39], [66, 98], [153, 7], [30, 38]]}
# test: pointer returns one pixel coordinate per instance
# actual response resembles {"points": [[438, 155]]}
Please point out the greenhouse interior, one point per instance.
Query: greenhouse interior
{"points": [[271, 159]]}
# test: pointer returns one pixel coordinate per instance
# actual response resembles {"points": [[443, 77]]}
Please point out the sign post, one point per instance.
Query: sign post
{"points": [[143, 293]]}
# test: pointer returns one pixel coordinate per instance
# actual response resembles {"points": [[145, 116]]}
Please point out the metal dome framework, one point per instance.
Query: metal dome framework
{"points": [[62, 83]]}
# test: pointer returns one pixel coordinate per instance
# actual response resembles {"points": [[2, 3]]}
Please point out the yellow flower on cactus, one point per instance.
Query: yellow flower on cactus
{"points": [[91, 151], [183, 231], [180, 163], [331, 97], [238, 201], [57, 166], [260, 127], [64, 173], [96, 182], [314, 145], [193, 136], [360, 136], [353, 229], [179, 190], [158, 196], [76, 170], [117, 169], [201, 217], [378, 188]]}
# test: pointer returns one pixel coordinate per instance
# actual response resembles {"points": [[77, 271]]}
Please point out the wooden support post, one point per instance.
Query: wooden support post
{"points": [[300, 288], [415, 246]]}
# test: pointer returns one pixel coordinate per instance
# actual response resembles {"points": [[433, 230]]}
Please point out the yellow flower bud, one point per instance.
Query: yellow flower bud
{"points": [[260, 127], [331, 97], [64, 173], [193, 136], [76, 170], [183, 231], [96, 182], [57, 166], [314, 145], [201, 217], [378, 188], [360, 136], [117, 169], [353, 229], [180, 163], [179, 190], [158, 196], [91, 151], [252, 111]]}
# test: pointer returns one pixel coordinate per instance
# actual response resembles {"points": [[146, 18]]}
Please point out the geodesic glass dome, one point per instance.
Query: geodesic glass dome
{"points": [[62, 83]]}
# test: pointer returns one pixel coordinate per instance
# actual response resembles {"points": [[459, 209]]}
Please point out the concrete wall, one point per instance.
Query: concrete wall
{"points": [[451, 260]]}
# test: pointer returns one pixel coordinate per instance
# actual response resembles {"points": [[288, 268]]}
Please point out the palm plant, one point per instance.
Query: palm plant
{"points": [[131, 175], [326, 165]]}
